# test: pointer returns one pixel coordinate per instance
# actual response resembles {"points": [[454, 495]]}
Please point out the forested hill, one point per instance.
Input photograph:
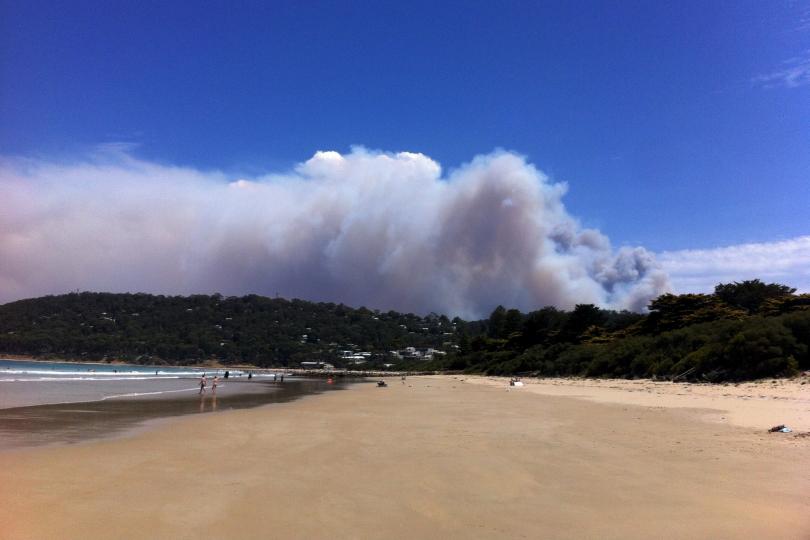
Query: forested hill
{"points": [[184, 329], [742, 331]]}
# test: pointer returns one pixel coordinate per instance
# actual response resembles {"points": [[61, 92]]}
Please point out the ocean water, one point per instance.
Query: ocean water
{"points": [[66, 402], [38, 383]]}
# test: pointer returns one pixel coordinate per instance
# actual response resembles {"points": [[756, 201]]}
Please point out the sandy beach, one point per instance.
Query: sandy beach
{"points": [[753, 404], [438, 457]]}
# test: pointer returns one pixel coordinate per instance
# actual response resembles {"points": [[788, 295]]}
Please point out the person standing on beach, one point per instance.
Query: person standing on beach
{"points": [[214, 385], [202, 384]]}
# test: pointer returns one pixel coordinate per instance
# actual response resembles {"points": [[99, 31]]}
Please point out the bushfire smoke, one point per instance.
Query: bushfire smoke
{"points": [[383, 230]]}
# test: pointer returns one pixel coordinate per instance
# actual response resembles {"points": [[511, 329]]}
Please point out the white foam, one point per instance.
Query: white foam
{"points": [[137, 394], [99, 373], [67, 379]]}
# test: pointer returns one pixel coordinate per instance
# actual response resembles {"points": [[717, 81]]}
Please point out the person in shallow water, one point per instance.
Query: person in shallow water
{"points": [[214, 384], [202, 384]]}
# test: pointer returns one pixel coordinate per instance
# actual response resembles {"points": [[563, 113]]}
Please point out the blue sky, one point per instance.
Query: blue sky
{"points": [[677, 125]]}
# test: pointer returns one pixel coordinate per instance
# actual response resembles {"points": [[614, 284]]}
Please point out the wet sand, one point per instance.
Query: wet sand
{"points": [[77, 422], [432, 458]]}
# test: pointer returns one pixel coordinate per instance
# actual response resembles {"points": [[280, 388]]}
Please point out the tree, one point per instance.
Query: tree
{"points": [[513, 322], [669, 311], [763, 349], [542, 325], [785, 304], [750, 294], [581, 319], [497, 323]]}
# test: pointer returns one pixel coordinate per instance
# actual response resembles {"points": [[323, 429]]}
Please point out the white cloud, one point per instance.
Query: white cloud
{"points": [[699, 270], [365, 228], [795, 72]]}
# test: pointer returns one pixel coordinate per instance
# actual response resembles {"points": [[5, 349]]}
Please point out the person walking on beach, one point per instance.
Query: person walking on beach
{"points": [[202, 384], [214, 385]]}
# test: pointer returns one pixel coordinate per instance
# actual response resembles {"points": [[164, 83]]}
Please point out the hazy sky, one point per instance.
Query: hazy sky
{"points": [[679, 128]]}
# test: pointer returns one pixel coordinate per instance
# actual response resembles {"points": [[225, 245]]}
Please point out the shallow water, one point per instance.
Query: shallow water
{"points": [[38, 383], [64, 403]]}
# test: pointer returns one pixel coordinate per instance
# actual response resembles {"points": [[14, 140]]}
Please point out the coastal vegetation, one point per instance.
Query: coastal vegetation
{"points": [[743, 330], [257, 330]]}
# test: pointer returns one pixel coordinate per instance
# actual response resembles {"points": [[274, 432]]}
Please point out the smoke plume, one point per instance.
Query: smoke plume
{"points": [[383, 230]]}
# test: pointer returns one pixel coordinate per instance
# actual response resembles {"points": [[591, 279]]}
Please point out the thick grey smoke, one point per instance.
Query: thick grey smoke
{"points": [[366, 228]]}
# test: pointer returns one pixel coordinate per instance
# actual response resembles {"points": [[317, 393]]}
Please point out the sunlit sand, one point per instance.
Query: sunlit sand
{"points": [[430, 457]]}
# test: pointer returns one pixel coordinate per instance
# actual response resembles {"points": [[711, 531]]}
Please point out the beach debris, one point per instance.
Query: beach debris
{"points": [[684, 374], [781, 428], [381, 384]]}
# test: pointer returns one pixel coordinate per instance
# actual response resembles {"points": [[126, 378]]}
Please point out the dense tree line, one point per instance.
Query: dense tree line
{"points": [[188, 329], [743, 330]]}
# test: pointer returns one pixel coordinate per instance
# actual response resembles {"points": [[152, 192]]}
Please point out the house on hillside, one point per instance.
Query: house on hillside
{"points": [[416, 353], [317, 365]]}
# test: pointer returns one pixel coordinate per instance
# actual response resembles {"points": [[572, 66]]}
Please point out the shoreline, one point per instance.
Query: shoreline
{"points": [[112, 417], [145, 426], [215, 364], [341, 372], [432, 457], [118, 362]]}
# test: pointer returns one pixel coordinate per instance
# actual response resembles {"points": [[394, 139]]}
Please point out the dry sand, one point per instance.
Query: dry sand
{"points": [[755, 404], [435, 457]]}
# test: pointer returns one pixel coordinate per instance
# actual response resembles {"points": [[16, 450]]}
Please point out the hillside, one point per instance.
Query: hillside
{"points": [[742, 331], [178, 329]]}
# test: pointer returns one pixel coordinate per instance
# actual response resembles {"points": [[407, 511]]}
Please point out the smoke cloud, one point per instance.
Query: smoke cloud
{"points": [[383, 230]]}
